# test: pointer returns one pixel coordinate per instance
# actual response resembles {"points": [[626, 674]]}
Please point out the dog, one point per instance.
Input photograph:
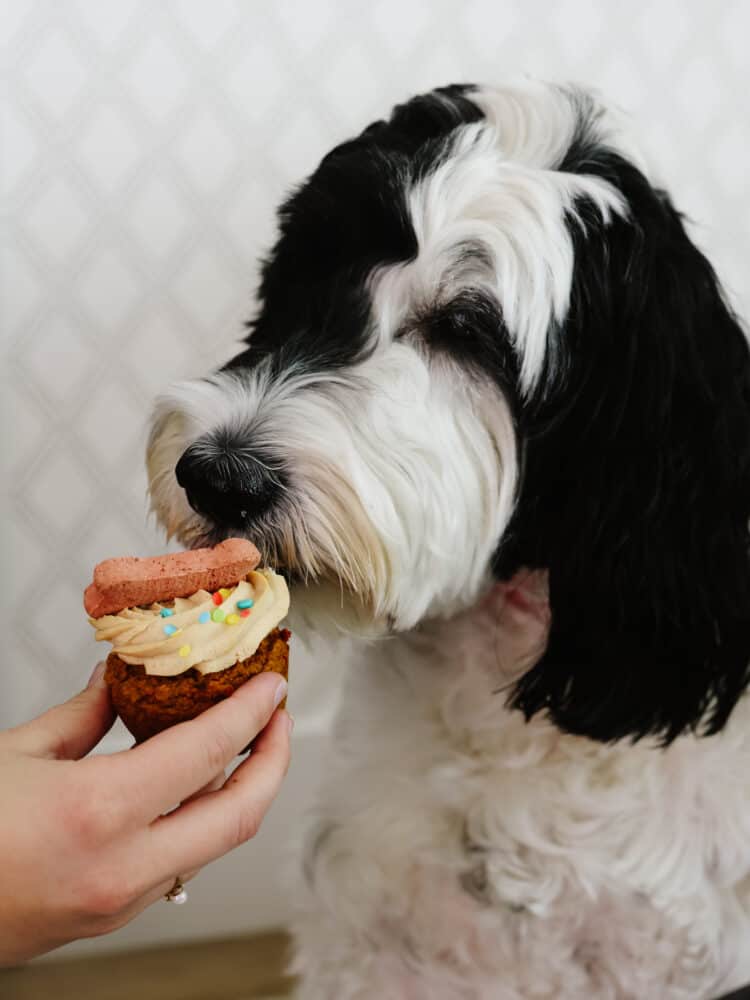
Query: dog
{"points": [[492, 417]]}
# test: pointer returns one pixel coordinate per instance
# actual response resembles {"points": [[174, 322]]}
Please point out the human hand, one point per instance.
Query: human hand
{"points": [[87, 844]]}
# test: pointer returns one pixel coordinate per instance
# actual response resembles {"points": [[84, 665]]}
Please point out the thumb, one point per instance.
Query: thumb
{"points": [[69, 731]]}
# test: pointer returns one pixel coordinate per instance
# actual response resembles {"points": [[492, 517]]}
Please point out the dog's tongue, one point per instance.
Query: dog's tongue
{"points": [[522, 600], [526, 593]]}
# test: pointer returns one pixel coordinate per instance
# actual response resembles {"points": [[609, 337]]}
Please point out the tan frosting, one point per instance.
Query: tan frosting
{"points": [[137, 634]]}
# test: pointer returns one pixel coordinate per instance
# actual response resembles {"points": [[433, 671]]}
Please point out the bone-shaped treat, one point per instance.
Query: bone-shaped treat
{"points": [[130, 581]]}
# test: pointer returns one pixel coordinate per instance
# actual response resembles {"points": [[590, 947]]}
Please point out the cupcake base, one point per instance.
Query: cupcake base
{"points": [[147, 703]]}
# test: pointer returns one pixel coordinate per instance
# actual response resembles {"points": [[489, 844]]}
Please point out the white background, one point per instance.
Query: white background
{"points": [[145, 146]]}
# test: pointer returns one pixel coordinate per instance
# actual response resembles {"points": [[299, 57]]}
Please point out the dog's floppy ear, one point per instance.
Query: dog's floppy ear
{"points": [[636, 491]]}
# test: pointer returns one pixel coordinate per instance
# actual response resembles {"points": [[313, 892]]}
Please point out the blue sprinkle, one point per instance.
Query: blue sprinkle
{"points": [[166, 612], [244, 604], [170, 629], [204, 617]]}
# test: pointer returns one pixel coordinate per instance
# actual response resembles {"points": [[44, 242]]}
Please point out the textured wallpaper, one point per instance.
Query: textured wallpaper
{"points": [[145, 146]]}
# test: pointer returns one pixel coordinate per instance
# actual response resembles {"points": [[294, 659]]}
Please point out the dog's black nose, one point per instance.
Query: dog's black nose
{"points": [[227, 484]]}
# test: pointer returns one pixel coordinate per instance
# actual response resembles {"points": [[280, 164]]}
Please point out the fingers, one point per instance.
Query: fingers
{"points": [[209, 827], [170, 767], [71, 730], [212, 786]]}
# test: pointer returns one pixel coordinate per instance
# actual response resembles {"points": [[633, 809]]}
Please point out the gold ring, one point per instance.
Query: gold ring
{"points": [[177, 894]]}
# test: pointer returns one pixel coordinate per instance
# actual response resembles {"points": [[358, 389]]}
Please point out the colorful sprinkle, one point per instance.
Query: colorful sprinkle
{"points": [[204, 617], [185, 650], [225, 592], [245, 613], [217, 598], [166, 612], [247, 603], [218, 615], [233, 619], [170, 629]]}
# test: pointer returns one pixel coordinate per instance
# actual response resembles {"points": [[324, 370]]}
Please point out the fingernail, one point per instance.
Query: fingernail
{"points": [[290, 721], [280, 693], [97, 675]]}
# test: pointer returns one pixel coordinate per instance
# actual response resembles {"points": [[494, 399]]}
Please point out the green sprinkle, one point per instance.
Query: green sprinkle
{"points": [[218, 615]]}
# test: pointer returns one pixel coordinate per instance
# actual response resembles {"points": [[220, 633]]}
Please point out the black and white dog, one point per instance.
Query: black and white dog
{"points": [[493, 416]]}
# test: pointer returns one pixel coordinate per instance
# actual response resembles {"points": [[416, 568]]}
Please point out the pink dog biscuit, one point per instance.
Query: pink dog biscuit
{"points": [[130, 581]]}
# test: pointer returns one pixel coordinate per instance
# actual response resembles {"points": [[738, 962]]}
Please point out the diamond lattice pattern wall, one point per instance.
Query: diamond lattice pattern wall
{"points": [[145, 146]]}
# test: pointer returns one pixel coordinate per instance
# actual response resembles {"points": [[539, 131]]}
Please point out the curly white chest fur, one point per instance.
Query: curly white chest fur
{"points": [[460, 852]]}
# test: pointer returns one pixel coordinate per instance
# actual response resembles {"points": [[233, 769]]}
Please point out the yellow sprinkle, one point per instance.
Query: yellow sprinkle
{"points": [[185, 650], [225, 592], [232, 619]]}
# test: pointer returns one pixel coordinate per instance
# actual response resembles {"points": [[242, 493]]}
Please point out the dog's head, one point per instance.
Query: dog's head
{"points": [[485, 342]]}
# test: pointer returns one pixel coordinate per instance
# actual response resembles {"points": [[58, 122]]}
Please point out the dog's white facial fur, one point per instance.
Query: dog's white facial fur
{"points": [[401, 466], [401, 477]]}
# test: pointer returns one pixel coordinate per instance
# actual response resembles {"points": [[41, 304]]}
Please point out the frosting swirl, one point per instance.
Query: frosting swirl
{"points": [[191, 636]]}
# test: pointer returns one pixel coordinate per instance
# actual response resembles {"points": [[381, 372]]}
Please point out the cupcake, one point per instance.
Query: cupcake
{"points": [[186, 630]]}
